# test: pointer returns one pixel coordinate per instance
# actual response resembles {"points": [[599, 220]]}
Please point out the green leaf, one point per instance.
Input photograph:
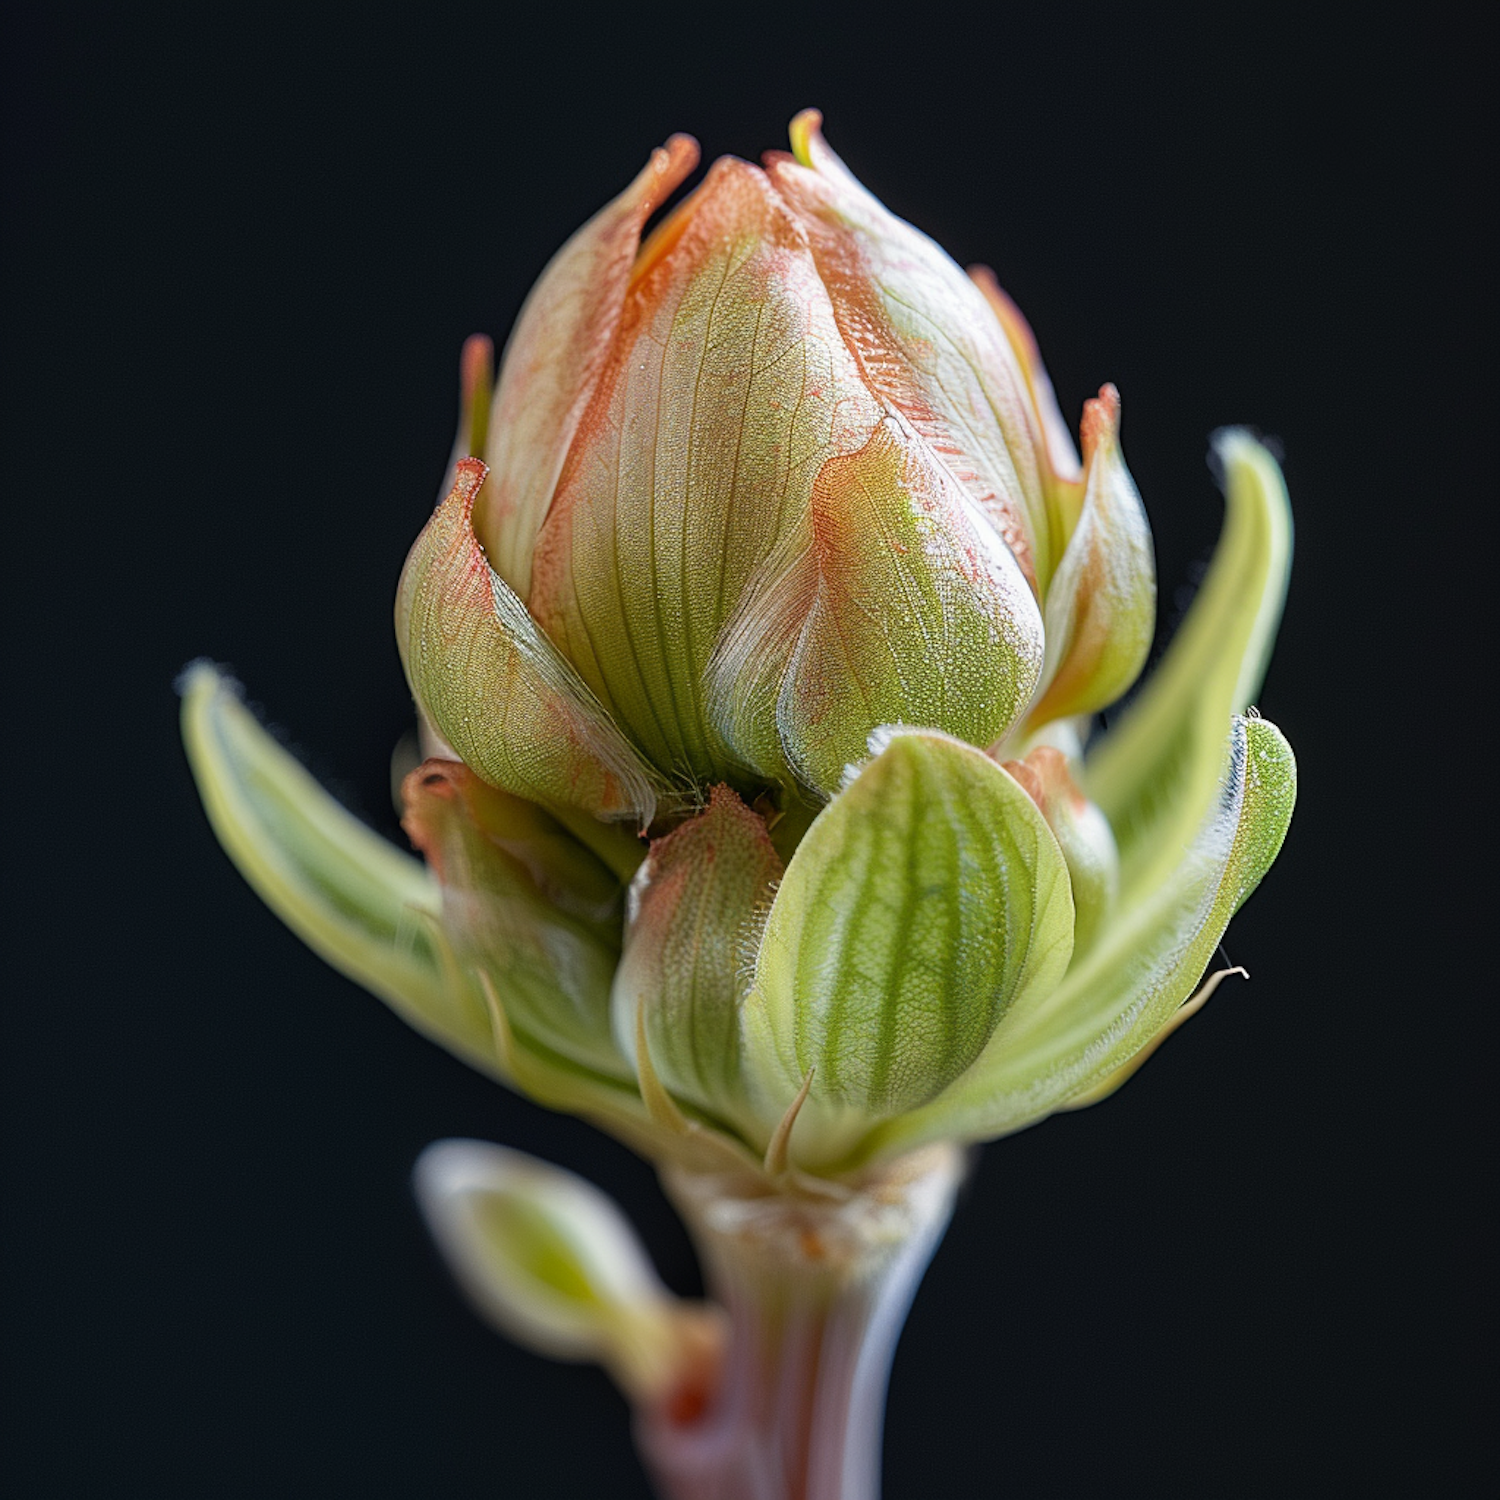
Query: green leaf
{"points": [[553, 1263], [352, 897], [1146, 963], [925, 900], [1155, 773]]}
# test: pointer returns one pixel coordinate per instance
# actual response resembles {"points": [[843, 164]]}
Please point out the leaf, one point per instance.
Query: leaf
{"points": [[553, 1263], [1155, 773], [496, 688], [354, 899], [1145, 964], [926, 899]]}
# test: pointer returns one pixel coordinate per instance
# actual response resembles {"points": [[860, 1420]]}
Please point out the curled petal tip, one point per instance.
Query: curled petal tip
{"points": [[806, 132], [671, 163], [1101, 420]]}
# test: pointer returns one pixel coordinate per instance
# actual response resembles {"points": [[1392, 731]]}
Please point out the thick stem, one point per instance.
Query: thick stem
{"points": [[817, 1289]]}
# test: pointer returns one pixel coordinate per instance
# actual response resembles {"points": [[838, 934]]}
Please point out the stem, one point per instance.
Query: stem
{"points": [[817, 1289]]}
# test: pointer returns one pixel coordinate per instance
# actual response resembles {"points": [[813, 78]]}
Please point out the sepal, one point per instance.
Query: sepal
{"points": [[926, 899], [1156, 771], [1101, 606], [524, 903], [356, 900], [1143, 966], [696, 906]]}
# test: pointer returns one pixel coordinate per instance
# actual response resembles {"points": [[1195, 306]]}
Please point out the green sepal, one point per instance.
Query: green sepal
{"points": [[355, 899], [524, 902], [1155, 773], [927, 898], [695, 906], [1144, 965]]}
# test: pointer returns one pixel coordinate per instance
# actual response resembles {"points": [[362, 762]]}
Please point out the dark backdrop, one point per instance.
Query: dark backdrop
{"points": [[243, 252]]}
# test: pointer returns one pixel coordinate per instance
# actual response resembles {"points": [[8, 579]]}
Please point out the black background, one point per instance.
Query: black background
{"points": [[243, 250]]}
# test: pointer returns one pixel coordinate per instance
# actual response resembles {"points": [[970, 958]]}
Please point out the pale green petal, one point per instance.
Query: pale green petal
{"points": [[1156, 771], [553, 1263], [352, 897], [1145, 964], [927, 898]]}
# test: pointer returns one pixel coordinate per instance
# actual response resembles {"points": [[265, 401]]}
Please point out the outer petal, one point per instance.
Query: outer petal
{"points": [[1145, 964], [1101, 608], [495, 687], [498, 864], [1156, 771], [895, 604], [355, 900], [1062, 474], [927, 898], [554, 358], [728, 388], [696, 906], [925, 340]]}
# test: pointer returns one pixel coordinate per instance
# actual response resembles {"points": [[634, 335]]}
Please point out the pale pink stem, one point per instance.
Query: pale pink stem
{"points": [[817, 1289]]}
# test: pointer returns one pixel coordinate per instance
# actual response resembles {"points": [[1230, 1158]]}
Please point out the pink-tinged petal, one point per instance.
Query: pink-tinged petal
{"points": [[476, 387], [501, 863], [1101, 609], [695, 911], [925, 340], [895, 604], [1062, 476], [495, 688], [554, 358], [728, 388]]}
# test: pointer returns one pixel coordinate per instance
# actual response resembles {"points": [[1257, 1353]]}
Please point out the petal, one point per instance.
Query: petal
{"points": [[554, 1264], [354, 899], [476, 383], [927, 898], [496, 688], [1146, 963], [500, 862], [554, 358], [1101, 608], [696, 906], [896, 603], [925, 340], [727, 389], [1156, 772]]}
